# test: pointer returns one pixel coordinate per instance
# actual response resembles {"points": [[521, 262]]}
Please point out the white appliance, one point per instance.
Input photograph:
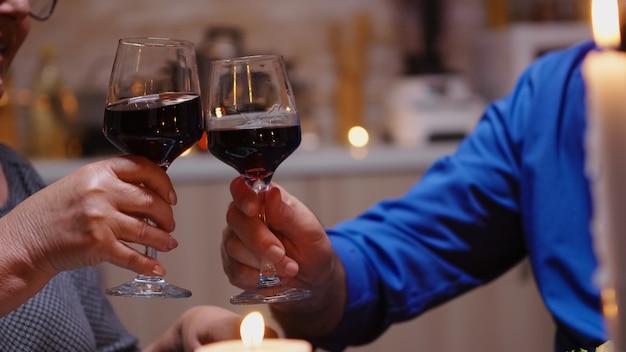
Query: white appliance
{"points": [[426, 109]]}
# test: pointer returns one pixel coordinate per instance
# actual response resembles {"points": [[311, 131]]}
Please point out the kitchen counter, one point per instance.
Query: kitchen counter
{"points": [[201, 167]]}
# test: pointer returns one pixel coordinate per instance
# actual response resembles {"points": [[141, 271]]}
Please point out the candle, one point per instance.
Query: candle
{"points": [[605, 79], [268, 345], [251, 330]]}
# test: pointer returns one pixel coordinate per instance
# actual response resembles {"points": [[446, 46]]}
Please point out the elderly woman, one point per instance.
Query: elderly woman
{"points": [[53, 236]]}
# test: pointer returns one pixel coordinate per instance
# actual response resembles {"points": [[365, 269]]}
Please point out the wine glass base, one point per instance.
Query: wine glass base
{"points": [[148, 287], [270, 295]]}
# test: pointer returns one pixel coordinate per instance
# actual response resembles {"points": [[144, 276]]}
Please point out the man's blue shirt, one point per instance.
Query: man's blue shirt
{"points": [[515, 187]]}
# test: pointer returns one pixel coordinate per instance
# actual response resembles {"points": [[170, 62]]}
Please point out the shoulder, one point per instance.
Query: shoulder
{"points": [[575, 52], [552, 80], [560, 63]]}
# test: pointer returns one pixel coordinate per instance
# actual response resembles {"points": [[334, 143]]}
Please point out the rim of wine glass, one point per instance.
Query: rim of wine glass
{"points": [[155, 41], [249, 58]]}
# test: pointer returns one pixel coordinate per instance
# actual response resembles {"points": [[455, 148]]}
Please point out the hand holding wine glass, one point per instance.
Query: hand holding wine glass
{"points": [[153, 109], [253, 126]]}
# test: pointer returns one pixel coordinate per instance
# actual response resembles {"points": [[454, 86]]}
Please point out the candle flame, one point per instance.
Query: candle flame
{"points": [[252, 329], [605, 23]]}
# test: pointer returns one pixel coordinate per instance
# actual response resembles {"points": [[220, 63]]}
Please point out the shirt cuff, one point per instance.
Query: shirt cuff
{"points": [[356, 325]]}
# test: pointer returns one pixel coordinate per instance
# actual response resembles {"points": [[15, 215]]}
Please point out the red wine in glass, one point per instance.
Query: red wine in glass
{"points": [[254, 152], [153, 109], [160, 127], [252, 125]]}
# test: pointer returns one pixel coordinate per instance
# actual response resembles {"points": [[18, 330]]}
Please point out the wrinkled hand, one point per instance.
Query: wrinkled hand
{"points": [[199, 326], [292, 238], [86, 218], [296, 242]]}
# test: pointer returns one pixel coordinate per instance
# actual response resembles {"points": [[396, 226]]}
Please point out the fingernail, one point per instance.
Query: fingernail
{"points": [[173, 198], [291, 269], [172, 243], [247, 208], [275, 254], [158, 270]]}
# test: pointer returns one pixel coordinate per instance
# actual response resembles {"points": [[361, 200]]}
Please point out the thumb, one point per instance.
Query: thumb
{"points": [[288, 217], [281, 219], [300, 233], [279, 210]]}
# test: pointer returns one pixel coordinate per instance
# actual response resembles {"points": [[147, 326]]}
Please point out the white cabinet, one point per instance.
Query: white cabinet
{"points": [[503, 55]]}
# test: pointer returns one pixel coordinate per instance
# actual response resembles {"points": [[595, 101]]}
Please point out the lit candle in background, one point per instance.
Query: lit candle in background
{"points": [[605, 79], [358, 136], [252, 330], [358, 139]]}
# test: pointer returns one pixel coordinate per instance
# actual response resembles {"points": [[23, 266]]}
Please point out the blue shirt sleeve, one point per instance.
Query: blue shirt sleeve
{"points": [[459, 227]]}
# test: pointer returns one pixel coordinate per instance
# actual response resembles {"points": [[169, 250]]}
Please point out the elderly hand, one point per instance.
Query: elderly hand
{"points": [[293, 238], [199, 326], [86, 218]]}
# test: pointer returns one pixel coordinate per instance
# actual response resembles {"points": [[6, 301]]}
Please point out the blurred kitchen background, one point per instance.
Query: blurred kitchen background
{"points": [[416, 74], [410, 72]]}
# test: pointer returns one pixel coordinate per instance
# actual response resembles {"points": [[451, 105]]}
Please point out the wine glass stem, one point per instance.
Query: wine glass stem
{"points": [[152, 253], [267, 273], [149, 251]]}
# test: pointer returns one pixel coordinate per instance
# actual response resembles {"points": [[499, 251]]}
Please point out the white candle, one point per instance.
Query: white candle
{"points": [[251, 330], [605, 79], [268, 345]]}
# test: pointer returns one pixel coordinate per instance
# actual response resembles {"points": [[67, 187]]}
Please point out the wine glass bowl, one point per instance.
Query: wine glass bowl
{"points": [[252, 125], [147, 125], [254, 144], [153, 109]]}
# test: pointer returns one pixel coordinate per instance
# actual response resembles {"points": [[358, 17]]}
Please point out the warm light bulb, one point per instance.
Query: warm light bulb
{"points": [[605, 23], [252, 329], [358, 136]]}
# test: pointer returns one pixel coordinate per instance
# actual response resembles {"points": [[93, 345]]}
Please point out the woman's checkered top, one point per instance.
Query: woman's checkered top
{"points": [[71, 313]]}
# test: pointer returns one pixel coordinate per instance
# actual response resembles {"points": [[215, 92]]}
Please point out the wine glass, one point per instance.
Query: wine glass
{"points": [[253, 125], [153, 108]]}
